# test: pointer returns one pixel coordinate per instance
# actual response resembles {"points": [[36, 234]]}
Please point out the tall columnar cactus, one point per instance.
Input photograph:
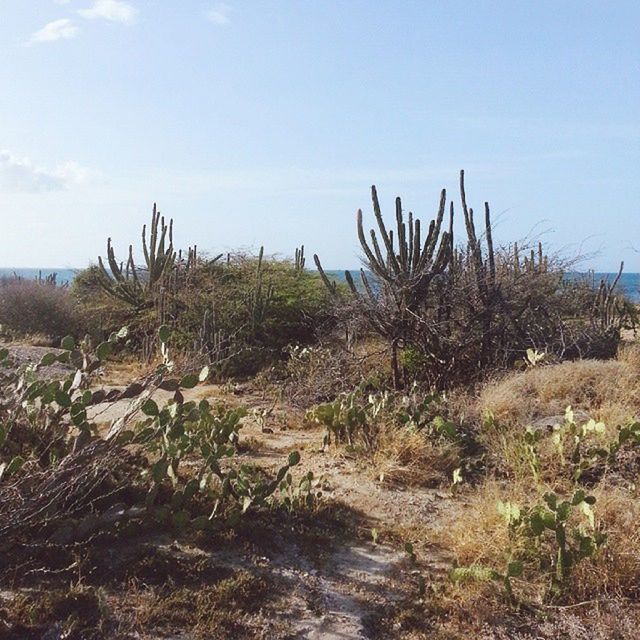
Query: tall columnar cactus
{"points": [[136, 285], [300, 260], [402, 276], [611, 312], [259, 297]]}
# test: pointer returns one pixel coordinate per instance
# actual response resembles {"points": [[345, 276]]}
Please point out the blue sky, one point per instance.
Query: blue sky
{"points": [[266, 122]]}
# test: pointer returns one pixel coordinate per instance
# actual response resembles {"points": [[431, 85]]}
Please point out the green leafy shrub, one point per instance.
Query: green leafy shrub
{"points": [[88, 481], [239, 315]]}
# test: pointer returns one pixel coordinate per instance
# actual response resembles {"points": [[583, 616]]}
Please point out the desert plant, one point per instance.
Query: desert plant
{"points": [[38, 307], [572, 545], [550, 537], [403, 279], [136, 287], [348, 419], [357, 418], [60, 477], [461, 311]]}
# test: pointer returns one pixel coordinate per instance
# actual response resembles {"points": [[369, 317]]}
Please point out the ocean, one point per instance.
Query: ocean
{"points": [[629, 283], [63, 276]]}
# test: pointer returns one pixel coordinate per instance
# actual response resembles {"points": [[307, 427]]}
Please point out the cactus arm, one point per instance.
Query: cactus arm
{"points": [[438, 223], [387, 237], [113, 263], [489, 235], [410, 248], [132, 266], [330, 285], [402, 243], [145, 249], [352, 285], [367, 286], [451, 226], [416, 245], [376, 248], [373, 260]]}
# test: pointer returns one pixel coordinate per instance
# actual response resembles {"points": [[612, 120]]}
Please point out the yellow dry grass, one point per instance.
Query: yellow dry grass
{"points": [[411, 458], [616, 570], [608, 390], [476, 534]]}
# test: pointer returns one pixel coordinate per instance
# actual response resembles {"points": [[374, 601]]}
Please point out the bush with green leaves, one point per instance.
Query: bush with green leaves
{"points": [[238, 315]]}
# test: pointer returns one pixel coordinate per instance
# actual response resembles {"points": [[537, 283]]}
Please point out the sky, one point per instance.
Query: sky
{"points": [[266, 122]]}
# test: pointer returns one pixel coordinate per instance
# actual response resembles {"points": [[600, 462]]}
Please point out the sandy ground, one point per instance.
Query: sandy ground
{"points": [[332, 598], [331, 595]]}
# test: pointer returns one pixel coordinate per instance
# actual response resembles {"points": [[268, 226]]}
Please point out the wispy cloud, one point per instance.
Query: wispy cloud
{"points": [[62, 29], [62, 1], [112, 10], [219, 14], [21, 175]]}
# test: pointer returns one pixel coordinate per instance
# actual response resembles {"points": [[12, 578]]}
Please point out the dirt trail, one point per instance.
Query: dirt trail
{"points": [[330, 597], [334, 594]]}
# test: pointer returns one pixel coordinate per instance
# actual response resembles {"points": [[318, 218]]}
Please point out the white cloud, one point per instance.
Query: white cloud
{"points": [[112, 10], [219, 14], [62, 1], [62, 29], [21, 175]]}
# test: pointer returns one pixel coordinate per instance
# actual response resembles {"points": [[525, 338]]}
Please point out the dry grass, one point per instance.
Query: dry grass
{"points": [[608, 390], [123, 372], [475, 534], [408, 457], [596, 599], [208, 611], [320, 373], [616, 571]]}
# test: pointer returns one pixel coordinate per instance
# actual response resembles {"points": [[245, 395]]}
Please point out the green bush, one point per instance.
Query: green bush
{"points": [[238, 315]]}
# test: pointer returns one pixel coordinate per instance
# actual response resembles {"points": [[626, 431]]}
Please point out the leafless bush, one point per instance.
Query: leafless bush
{"points": [[32, 306]]}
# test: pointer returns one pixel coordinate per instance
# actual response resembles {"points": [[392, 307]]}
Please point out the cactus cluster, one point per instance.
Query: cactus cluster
{"points": [[403, 273], [553, 536], [299, 260], [468, 308], [134, 285]]}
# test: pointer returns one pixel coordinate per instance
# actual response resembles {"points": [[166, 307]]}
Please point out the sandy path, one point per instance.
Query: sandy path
{"points": [[330, 599]]}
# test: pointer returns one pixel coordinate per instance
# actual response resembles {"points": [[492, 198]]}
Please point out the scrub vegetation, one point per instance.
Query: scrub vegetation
{"points": [[446, 445]]}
